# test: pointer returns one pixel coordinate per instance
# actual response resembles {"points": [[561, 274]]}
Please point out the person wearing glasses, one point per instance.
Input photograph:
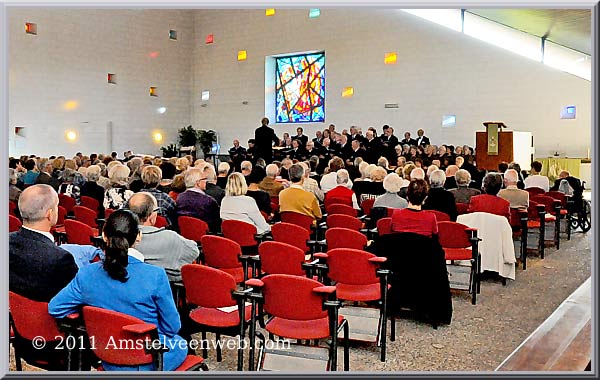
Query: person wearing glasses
{"points": [[196, 203]]}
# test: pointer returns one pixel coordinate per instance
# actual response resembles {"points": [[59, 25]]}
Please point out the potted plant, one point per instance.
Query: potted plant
{"points": [[206, 139], [169, 150], [188, 136]]}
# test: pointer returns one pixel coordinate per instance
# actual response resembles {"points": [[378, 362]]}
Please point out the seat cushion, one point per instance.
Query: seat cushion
{"points": [[292, 329], [370, 292], [189, 362], [550, 218], [217, 318], [564, 212], [458, 254], [533, 224]]}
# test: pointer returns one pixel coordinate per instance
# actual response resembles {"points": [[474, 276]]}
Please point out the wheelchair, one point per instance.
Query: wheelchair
{"points": [[581, 212]]}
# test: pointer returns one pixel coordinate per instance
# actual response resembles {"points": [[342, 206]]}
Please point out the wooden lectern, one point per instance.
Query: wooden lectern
{"points": [[493, 146]]}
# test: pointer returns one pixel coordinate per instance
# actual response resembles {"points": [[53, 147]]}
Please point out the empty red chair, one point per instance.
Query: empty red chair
{"points": [[86, 215], [533, 191], [192, 228], [384, 226], [552, 207], [301, 308], [79, 233], [330, 200], [30, 321], [161, 222], [291, 234], [58, 230], [12, 208], [106, 326], [89, 202], [344, 221], [298, 219], [241, 232], [566, 209], [358, 278], [440, 216], [224, 254], [207, 291], [14, 224], [462, 208], [345, 238], [281, 258], [67, 202], [535, 213], [341, 209], [461, 243], [367, 205], [518, 224]]}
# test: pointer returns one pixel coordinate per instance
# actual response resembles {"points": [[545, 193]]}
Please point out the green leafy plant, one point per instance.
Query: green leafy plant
{"points": [[188, 136], [206, 139], [169, 150]]}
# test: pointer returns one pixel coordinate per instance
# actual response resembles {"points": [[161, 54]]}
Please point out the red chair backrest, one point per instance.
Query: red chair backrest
{"points": [[515, 217], [86, 215], [62, 213], [67, 202], [106, 326], [280, 258], [13, 223], [192, 228], [89, 202], [207, 287], [78, 232], [240, 232], [31, 318], [344, 221], [220, 252], [161, 222], [331, 200], [108, 212], [532, 212], [351, 266], [558, 196], [12, 206], [341, 209], [292, 297], [345, 238], [535, 191], [291, 234], [298, 219], [367, 205], [547, 201], [384, 226], [453, 235], [462, 208], [440, 216]]}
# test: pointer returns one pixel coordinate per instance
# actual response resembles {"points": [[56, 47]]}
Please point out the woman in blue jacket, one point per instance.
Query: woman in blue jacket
{"points": [[123, 283]]}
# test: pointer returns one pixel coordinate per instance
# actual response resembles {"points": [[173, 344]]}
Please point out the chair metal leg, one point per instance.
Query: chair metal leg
{"points": [[204, 345], [557, 231], [218, 341], [347, 346], [393, 330]]}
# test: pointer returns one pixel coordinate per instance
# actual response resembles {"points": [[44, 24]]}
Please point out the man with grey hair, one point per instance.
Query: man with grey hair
{"points": [[211, 183], [296, 199], [417, 173], [518, 198], [269, 183], [45, 177], [440, 199], [38, 269], [450, 180], [196, 203], [163, 248], [463, 193], [392, 184], [341, 193]]}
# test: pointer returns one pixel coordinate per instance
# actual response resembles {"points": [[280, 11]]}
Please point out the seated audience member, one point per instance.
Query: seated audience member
{"points": [[125, 284], [286, 163], [329, 180], [354, 168], [463, 193], [450, 179], [440, 199], [13, 191], [91, 188], [296, 199], [79, 176], [459, 161], [246, 168], [135, 166], [45, 177], [391, 183], [161, 247], [535, 179], [68, 186], [151, 177], [261, 197], [195, 203], [177, 186], [517, 168], [516, 197], [489, 201], [364, 169], [373, 187], [182, 165], [573, 185], [38, 269], [118, 195], [31, 175], [208, 171], [341, 193], [412, 218], [103, 180], [222, 173], [417, 173], [238, 206], [83, 254], [310, 184], [269, 184], [168, 172]]}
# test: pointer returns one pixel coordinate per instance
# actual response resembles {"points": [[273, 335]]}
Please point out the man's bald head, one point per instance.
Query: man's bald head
{"points": [[143, 205], [37, 204]]}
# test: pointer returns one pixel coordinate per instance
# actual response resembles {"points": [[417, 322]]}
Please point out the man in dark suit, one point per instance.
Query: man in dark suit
{"points": [[297, 152], [38, 269], [301, 137], [237, 153], [45, 177], [264, 138], [373, 148], [421, 138], [389, 142], [407, 140]]}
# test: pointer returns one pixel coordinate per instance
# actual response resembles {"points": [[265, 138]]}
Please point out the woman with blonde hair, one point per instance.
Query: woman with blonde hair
{"points": [[182, 164], [117, 196], [236, 205]]}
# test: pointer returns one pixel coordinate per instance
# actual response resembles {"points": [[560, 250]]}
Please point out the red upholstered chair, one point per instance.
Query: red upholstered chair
{"points": [[312, 315], [384, 226], [13, 223], [328, 201], [535, 213], [80, 233], [108, 326], [108, 212], [533, 191], [358, 277], [344, 221], [566, 209], [86, 215], [518, 224], [67, 202], [30, 319], [440, 216], [281, 258], [59, 232], [89, 202], [225, 254], [12, 207], [293, 234], [366, 206], [345, 238], [161, 222], [298, 219], [462, 208], [461, 243], [341, 209], [242, 233], [208, 291], [553, 208], [192, 228]]}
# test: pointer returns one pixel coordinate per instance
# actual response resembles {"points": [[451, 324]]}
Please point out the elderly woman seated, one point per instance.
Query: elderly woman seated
{"points": [[236, 205], [341, 193], [439, 198], [463, 193], [118, 195], [412, 218], [373, 187], [391, 183]]}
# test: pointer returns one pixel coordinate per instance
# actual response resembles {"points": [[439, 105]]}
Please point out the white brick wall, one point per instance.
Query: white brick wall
{"points": [[439, 72], [70, 58]]}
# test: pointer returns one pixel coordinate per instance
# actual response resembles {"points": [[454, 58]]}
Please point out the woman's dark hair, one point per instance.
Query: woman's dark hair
{"points": [[13, 162], [121, 231], [492, 183], [417, 191], [168, 170], [29, 164], [257, 175]]}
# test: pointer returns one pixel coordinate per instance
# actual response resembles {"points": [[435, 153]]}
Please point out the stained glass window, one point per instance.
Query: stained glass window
{"points": [[300, 88]]}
